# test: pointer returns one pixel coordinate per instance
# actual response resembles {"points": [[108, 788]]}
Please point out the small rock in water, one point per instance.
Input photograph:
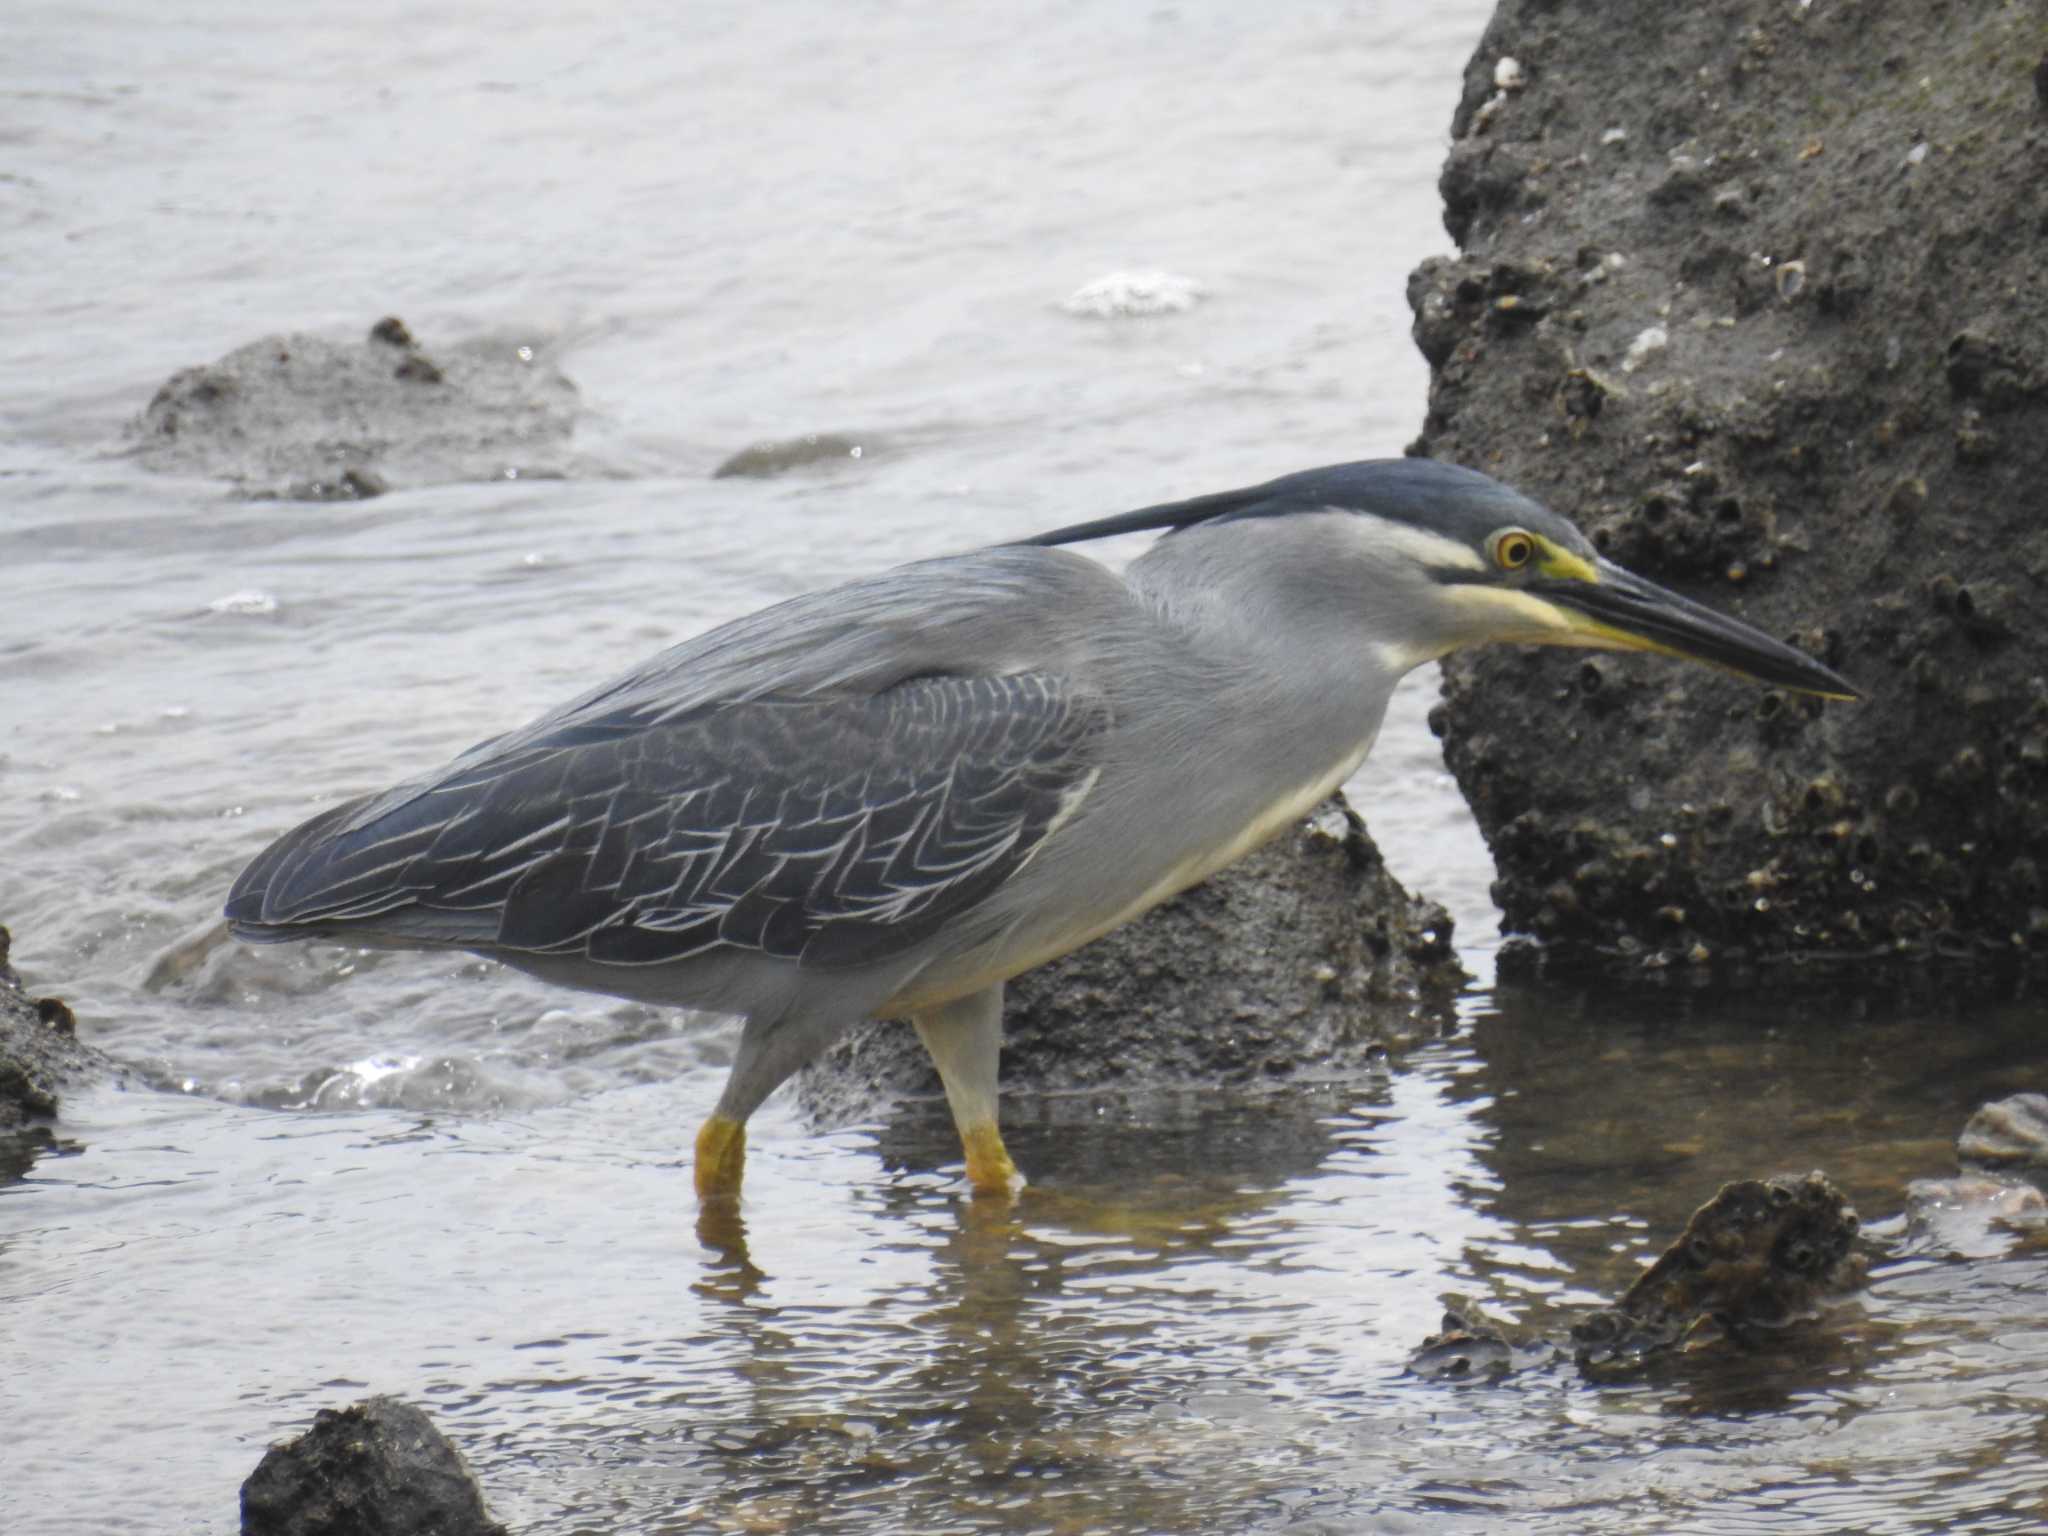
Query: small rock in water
{"points": [[2011, 1133], [40, 1055], [377, 1468], [1759, 1255], [765, 460], [1465, 1348], [308, 418], [351, 484], [1121, 295]]}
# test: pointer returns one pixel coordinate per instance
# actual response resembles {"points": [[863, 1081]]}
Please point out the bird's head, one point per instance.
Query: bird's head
{"points": [[1472, 560]]}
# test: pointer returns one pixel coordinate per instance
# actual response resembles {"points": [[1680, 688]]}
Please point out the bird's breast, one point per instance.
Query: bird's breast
{"points": [[1118, 860]]}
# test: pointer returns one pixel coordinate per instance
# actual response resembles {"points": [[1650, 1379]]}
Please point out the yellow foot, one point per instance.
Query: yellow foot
{"points": [[989, 1169], [721, 1159]]}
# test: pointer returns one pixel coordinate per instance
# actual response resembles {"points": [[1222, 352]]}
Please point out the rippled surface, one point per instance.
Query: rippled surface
{"points": [[424, 1176]]}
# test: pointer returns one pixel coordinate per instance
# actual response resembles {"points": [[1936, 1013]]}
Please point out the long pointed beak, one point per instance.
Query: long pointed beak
{"points": [[1624, 612]]}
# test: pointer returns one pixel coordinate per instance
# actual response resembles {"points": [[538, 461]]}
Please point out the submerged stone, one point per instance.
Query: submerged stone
{"points": [[765, 460], [1974, 1216]]}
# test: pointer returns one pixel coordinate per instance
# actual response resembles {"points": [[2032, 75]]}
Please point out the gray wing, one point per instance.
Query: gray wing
{"points": [[831, 829]]}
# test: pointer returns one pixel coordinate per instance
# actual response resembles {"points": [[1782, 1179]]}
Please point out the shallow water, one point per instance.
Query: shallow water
{"points": [[426, 1176]]}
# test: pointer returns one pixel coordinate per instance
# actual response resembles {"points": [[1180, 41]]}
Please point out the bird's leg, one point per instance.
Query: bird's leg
{"points": [[965, 1038], [772, 1047], [721, 1158]]}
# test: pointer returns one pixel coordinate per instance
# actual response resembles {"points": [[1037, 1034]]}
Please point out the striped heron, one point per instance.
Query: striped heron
{"points": [[885, 799]]}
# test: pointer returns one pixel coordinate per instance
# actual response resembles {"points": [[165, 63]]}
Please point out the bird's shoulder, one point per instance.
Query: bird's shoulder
{"points": [[989, 612]]}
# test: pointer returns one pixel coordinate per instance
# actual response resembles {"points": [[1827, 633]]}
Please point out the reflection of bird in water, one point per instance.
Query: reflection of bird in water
{"points": [[885, 799]]}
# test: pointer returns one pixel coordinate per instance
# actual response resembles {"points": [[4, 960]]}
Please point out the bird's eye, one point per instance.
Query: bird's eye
{"points": [[1513, 550]]}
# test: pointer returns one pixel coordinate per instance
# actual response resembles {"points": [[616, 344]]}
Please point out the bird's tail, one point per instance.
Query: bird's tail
{"points": [[261, 897]]}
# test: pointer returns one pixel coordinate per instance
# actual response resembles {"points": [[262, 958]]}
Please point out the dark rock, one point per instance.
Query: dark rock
{"points": [[304, 418], [40, 1054], [1849, 398], [377, 1468], [763, 461], [1296, 962], [1761, 1255], [393, 332], [1983, 367]]}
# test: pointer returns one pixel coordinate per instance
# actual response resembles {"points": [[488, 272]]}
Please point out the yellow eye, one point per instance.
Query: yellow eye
{"points": [[1513, 549]]}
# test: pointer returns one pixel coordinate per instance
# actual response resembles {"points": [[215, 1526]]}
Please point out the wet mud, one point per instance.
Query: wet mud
{"points": [[1758, 295], [304, 418], [1298, 962]]}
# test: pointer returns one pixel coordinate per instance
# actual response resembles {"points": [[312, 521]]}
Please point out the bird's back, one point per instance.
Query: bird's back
{"points": [[829, 780]]}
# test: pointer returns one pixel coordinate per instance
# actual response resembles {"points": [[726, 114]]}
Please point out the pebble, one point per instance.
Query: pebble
{"points": [[1649, 341]]}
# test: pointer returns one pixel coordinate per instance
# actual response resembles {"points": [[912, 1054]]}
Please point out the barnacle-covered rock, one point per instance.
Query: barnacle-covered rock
{"points": [[1781, 304], [40, 1056], [1762, 1254]]}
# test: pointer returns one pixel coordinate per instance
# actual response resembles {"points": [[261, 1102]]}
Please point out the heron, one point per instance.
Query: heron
{"points": [[885, 799]]}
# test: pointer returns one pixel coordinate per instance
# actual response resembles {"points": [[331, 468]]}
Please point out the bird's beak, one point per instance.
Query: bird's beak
{"points": [[1621, 611]]}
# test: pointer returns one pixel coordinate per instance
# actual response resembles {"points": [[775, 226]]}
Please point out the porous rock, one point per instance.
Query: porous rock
{"points": [[306, 418], [1297, 961], [376, 1468], [40, 1054], [1761, 1255], [1757, 293]]}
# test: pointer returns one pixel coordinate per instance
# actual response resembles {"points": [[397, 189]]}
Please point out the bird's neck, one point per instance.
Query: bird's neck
{"points": [[1294, 683]]}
